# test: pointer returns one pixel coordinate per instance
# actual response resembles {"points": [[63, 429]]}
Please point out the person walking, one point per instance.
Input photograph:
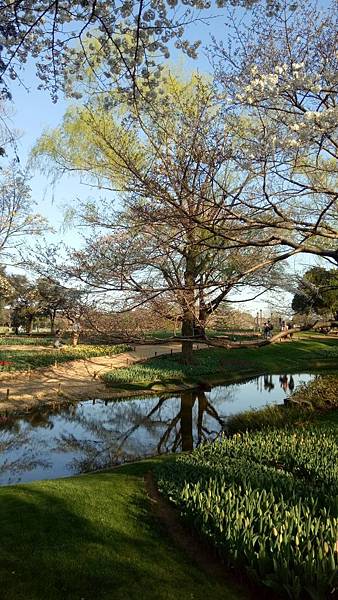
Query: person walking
{"points": [[266, 330], [270, 328], [57, 339]]}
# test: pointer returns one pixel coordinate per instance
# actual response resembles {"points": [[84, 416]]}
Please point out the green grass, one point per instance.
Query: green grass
{"points": [[301, 355], [16, 360], [161, 334], [94, 537]]}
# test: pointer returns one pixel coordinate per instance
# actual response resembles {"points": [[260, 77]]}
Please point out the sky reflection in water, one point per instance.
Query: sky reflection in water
{"points": [[92, 435]]}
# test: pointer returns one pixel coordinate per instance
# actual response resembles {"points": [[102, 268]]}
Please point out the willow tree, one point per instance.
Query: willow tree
{"points": [[149, 239]]}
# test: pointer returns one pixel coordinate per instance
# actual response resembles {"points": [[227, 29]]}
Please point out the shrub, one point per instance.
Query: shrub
{"points": [[269, 416], [322, 392]]}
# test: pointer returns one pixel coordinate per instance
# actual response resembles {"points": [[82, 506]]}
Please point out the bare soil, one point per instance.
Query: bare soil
{"points": [[20, 391]]}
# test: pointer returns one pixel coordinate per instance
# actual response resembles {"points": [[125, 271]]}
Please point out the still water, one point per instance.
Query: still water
{"points": [[95, 434]]}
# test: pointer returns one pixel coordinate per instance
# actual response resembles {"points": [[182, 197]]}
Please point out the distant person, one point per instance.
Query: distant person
{"points": [[283, 328], [289, 326], [291, 384], [57, 339], [269, 326], [284, 382], [266, 330]]}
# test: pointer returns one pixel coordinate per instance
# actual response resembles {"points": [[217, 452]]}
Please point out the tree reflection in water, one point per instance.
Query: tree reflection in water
{"points": [[59, 440], [131, 431], [16, 454]]}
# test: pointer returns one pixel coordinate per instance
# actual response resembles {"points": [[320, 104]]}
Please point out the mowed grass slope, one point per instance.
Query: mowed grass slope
{"points": [[94, 537], [303, 354]]}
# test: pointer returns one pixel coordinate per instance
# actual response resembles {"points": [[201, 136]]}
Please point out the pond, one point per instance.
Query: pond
{"points": [[90, 435]]}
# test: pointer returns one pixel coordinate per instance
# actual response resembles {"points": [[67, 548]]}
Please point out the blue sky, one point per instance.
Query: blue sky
{"points": [[33, 112]]}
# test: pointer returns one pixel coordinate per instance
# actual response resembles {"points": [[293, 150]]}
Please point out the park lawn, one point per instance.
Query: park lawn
{"points": [[303, 354], [94, 536], [16, 360]]}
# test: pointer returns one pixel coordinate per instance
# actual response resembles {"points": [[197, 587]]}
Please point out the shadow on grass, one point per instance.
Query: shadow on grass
{"points": [[89, 538]]}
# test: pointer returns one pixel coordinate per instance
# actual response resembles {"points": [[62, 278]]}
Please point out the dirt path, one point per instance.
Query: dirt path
{"points": [[74, 380]]}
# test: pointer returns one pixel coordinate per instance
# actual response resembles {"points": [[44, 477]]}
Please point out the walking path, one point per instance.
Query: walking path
{"points": [[79, 379]]}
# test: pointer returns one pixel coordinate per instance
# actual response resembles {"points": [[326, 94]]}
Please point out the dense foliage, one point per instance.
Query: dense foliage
{"points": [[267, 501], [317, 292]]}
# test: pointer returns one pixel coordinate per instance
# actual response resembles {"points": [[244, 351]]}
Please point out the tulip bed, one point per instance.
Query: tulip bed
{"points": [[268, 502], [21, 360]]}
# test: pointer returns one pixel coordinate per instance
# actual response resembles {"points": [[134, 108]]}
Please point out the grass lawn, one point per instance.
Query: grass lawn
{"points": [[304, 354], [94, 537]]}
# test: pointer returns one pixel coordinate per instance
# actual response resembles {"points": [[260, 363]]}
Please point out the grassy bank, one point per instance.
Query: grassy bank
{"points": [[17, 360], [315, 400], [95, 536], [301, 355]]}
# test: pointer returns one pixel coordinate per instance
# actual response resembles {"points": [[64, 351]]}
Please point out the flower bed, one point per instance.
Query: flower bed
{"points": [[268, 502]]}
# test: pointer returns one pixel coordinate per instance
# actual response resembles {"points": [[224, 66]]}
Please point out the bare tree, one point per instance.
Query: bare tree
{"points": [[156, 246], [16, 217]]}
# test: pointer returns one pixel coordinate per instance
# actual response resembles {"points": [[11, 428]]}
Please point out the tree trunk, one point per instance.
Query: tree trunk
{"points": [[187, 402], [75, 338], [52, 315], [189, 305], [202, 322], [187, 331], [29, 325]]}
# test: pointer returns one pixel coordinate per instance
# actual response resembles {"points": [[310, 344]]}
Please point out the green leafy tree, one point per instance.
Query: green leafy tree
{"points": [[318, 293], [54, 299], [24, 302]]}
